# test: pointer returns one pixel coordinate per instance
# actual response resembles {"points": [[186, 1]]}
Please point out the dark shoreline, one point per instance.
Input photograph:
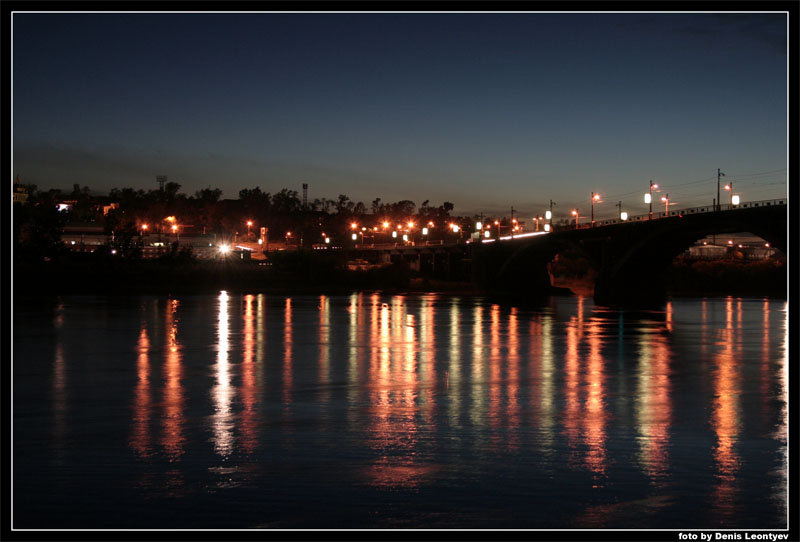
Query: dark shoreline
{"points": [[319, 277]]}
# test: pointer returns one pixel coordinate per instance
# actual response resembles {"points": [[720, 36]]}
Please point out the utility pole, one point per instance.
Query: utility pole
{"points": [[620, 209], [719, 174]]}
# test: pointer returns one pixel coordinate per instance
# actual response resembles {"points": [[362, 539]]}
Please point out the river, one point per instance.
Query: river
{"points": [[389, 411]]}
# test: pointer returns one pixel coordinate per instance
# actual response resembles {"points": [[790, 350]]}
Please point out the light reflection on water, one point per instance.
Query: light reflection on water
{"points": [[591, 417]]}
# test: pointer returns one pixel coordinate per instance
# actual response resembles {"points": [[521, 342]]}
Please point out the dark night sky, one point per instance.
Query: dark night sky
{"points": [[484, 110]]}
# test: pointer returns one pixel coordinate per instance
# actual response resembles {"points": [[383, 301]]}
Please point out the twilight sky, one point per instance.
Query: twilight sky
{"points": [[484, 110]]}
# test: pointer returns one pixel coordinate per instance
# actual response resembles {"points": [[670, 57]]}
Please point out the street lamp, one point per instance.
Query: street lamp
{"points": [[648, 198], [665, 199], [595, 197], [734, 198], [575, 213], [249, 223]]}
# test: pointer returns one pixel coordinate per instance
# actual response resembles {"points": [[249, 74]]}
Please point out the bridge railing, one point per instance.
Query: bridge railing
{"points": [[686, 211]]}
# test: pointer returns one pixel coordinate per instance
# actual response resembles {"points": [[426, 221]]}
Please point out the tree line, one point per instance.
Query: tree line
{"points": [[38, 222]]}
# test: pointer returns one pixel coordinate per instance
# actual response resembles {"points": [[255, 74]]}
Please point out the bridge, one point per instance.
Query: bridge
{"points": [[631, 257]]}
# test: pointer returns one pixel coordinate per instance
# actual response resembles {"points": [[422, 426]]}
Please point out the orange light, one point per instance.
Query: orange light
{"points": [[144, 226], [375, 228], [174, 227], [288, 234], [496, 223], [766, 245], [249, 222], [430, 224], [597, 196], [574, 212], [353, 225], [385, 224], [663, 198], [727, 187], [410, 224]]}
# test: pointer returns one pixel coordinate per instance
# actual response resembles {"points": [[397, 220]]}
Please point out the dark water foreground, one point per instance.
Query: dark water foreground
{"points": [[377, 411]]}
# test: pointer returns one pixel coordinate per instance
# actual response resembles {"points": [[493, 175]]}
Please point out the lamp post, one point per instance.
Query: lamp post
{"points": [[665, 199], [719, 174], [249, 223], [575, 213], [595, 197], [729, 186], [648, 198]]}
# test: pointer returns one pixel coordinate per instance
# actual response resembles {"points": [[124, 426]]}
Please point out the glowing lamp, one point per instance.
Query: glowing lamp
{"points": [[354, 236], [623, 215], [647, 198], [548, 215], [547, 227], [735, 200], [424, 231]]}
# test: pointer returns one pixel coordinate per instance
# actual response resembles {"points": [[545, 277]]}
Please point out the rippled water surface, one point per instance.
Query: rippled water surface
{"points": [[377, 411]]}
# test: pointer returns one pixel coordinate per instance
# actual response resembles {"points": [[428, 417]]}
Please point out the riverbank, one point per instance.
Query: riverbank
{"points": [[314, 274]]}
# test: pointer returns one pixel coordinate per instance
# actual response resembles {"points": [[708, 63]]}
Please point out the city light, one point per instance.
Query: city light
{"points": [[410, 225], [735, 200], [547, 227], [648, 198], [405, 237], [486, 233], [478, 225], [327, 240], [424, 231], [394, 234], [385, 224], [354, 236], [353, 225], [224, 249], [548, 215], [144, 226], [623, 216]]}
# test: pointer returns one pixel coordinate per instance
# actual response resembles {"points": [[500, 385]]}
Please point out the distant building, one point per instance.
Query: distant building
{"points": [[20, 191]]}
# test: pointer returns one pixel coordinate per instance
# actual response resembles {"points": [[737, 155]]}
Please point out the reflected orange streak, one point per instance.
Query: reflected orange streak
{"points": [[595, 416], [512, 404], [173, 438], [725, 416], [140, 438], [324, 348], [572, 386], [655, 412], [249, 429], [287, 353], [495, 363]]}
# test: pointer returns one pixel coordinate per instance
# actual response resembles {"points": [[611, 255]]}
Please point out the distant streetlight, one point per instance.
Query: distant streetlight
{"points": [[249, 223], [665, 199], [623, 216], [575, 213], [354, 236], [595, 197], [735, 199]]}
